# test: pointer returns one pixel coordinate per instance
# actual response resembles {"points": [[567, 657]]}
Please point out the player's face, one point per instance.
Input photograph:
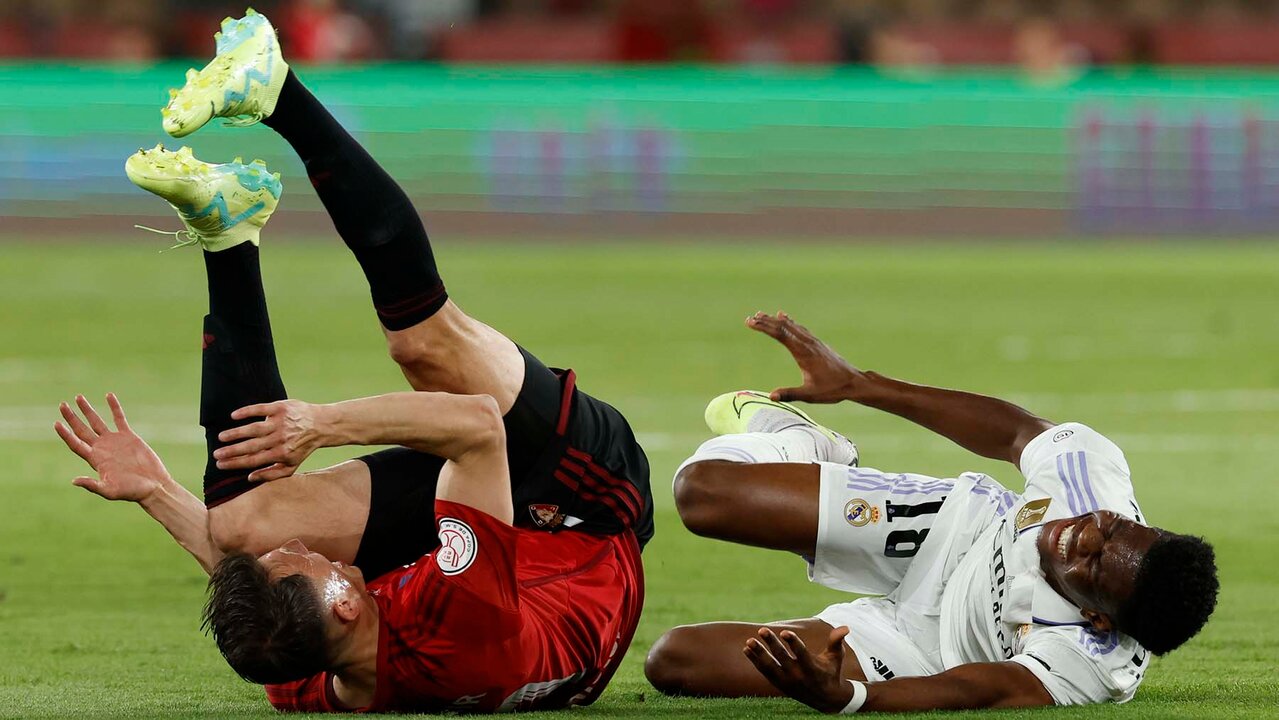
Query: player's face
{"points": [[1092, 559], [333, 578]]}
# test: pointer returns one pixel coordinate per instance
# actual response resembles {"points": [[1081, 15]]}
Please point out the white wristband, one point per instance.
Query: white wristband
{"points": [[859, 698]]}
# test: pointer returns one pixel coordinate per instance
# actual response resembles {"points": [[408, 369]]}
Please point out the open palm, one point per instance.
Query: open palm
{"points": [[128, 469]]}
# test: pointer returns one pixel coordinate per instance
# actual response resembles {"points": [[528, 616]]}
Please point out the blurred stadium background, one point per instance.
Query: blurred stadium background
{"points": [[839, 118], [847, 160]]}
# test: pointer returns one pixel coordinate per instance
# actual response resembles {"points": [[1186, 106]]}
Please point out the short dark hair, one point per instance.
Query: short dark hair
{"points": [[269, 632], [1173, 595]]}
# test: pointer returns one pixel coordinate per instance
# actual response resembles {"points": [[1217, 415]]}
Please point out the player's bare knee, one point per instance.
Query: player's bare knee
{"points": [[416, 348], [485, 430], [700, 496], [669, 665]]}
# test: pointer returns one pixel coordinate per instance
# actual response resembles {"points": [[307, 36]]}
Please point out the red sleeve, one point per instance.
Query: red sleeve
{"points": [[477, 554], [310, 695]]}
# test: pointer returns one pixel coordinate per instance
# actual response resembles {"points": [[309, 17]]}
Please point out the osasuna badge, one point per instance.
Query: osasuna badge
{"points": [[457, 547], [1031, 513], [546, 515]]}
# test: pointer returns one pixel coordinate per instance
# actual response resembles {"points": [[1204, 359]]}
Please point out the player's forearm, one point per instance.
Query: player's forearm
{"points": [[187, 520], [987, 426], [974, 686], [438, 423]]}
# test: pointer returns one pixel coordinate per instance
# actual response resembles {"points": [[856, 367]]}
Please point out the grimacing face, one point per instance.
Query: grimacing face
{"points": [[1092, 561], [332, 579]]}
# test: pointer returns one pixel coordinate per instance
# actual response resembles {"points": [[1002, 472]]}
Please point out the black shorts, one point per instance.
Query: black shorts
{"points": [[574, 463]]}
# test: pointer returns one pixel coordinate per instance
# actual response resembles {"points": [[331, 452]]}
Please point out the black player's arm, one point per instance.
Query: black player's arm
{"points": [[966, 687], [987, 426], [817, 681]]}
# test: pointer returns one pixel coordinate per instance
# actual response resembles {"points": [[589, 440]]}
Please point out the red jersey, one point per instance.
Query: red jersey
{"points": [[496, 619]]}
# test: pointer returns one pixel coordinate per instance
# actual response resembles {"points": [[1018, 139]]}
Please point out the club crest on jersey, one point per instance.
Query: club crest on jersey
{"points": [[1031, 513], [457, 547], [858, 512], [546, 515]]}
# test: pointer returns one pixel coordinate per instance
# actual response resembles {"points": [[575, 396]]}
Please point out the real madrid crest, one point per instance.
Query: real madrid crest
{"points": [[858, 512]]}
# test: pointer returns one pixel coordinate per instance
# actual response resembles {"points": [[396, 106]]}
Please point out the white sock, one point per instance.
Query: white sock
{"points": [[800, 444]]}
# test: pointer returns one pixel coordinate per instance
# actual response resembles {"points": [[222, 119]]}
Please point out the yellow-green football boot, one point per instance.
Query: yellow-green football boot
{"points": [[750, 411], [241, 83], [221, 205]]}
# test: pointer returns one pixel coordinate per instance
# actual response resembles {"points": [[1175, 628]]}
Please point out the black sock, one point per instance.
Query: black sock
{"points": [[370, 211], [239, 366]]}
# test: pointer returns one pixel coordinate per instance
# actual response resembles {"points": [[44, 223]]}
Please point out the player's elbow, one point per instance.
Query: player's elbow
{"points": [[670, 665], [232, 529], [701, 497]]}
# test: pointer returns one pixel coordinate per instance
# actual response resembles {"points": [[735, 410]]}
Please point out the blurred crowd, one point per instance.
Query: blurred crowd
{"points": [[1048, 38]]}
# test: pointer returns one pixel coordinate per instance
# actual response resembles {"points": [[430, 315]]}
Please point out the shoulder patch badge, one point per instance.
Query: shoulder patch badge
{"points": [[858, 512], [457, 547], [1031, 513]]}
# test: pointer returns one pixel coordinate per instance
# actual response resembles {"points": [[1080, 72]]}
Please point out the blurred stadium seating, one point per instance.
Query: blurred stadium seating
{"points": [[983, 117], [893, 32]]}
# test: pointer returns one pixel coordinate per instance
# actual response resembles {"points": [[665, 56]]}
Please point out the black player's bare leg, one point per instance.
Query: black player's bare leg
{"points": [[706, 660], [437, 345], [768, 505]]}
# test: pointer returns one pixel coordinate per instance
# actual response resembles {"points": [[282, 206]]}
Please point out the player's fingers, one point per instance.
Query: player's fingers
{"points": [[93, 485], [762, 660], [77, 425], [799, 650], [275, 472], [836, 645], [765, 324], [75, 444], [117, 412], [95, 420], [259, 410], [246, 462], [788, 394], [247, 447], [775, 645], [261, 428]]}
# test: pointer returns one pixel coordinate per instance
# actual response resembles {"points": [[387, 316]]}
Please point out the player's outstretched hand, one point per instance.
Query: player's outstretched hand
{"points": [[128, 469], [815, 680], [275, 446], [828, 378]]}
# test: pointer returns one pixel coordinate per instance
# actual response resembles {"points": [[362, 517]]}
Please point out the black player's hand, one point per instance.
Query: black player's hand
{"points": [[275, 446], [128, 469], [815, 680], [828, 378]]}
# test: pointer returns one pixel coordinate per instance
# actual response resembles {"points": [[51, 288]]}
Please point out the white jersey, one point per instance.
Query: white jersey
{"points": [[970, 588], [997, 605]]}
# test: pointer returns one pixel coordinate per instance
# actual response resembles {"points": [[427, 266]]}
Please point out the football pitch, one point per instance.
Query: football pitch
{"points": [[1170, 349]]}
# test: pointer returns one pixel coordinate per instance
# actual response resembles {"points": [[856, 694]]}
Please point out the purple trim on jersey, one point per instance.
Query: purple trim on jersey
{"points": [[903, 487], [860, 479], [1041, 621], [1098, 643], [1065, 482], [1010, 499], [1083, 474]]}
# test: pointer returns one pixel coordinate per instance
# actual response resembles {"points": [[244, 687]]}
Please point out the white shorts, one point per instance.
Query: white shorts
{"points": [[871, 525], [884, 647], [898, 535]]}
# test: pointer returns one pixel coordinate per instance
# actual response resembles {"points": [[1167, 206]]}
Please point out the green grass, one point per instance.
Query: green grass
{"points": [[1171, 350]]}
